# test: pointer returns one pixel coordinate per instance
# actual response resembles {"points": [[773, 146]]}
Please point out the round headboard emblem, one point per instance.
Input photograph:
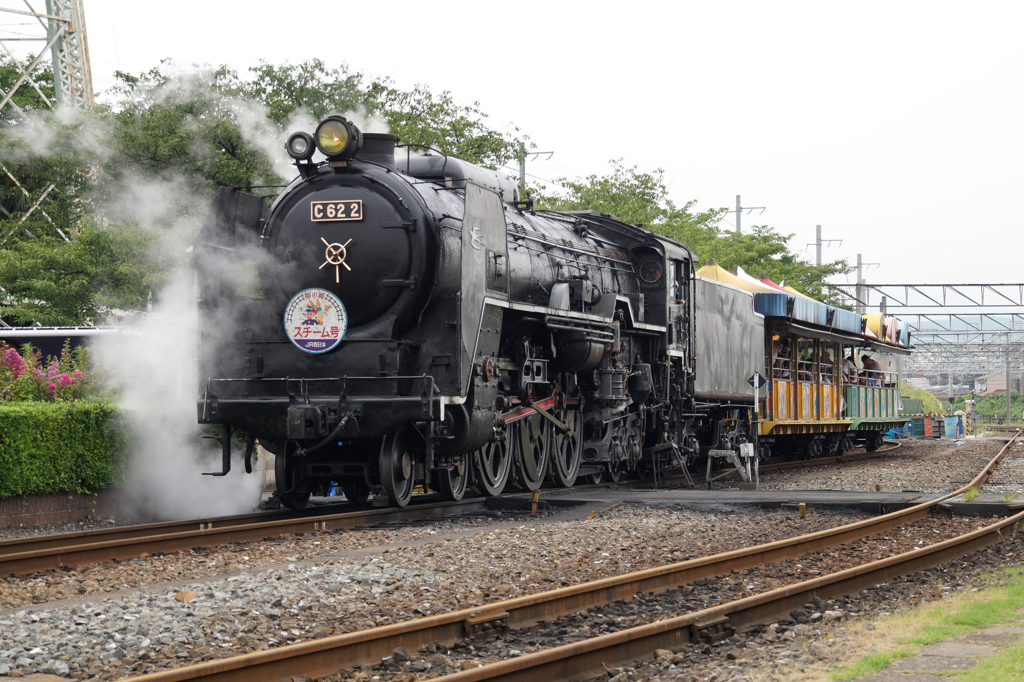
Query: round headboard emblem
{"points": [[315, 320]]}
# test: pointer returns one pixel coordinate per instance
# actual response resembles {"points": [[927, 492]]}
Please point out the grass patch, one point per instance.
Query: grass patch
{"points": [[871, 664], [956, 615], [1009, 498], [971, 493], [1008, 664]]}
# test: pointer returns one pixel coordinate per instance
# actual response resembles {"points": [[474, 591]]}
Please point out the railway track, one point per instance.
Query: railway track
{"points": [[852, 456], [324, 657], [29, 555]]}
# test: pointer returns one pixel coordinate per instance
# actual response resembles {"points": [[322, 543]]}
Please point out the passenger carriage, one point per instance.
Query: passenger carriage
{"points": [[812, 408]]}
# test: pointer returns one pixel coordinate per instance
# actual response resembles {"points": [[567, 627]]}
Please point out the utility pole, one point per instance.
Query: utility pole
{"points": [[522, 162], [860, 289], [861, 303], [818, 241], [740, 209], [1007, 379], [522, 165]]}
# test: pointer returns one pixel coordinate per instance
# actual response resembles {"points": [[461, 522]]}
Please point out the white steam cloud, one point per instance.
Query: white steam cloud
{"points": [[50, 133], [155, 361], [368, 123]]}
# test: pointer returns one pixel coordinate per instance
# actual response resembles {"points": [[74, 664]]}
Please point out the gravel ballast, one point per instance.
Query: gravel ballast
{"points": [[160, 612], [921, 466]]}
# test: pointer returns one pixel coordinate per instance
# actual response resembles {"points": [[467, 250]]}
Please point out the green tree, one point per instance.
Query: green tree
{"points": [[184, 127], [32, 95], [178, 136], [309, 86], [763, 251], [422, 117], [931, 403], [991, 405], [626, 193], [52, 282], [642, 198]]}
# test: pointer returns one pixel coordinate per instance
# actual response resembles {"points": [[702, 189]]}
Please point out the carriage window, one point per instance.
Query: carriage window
{"points": [[829, 352], [806, 357], [781, 356]]}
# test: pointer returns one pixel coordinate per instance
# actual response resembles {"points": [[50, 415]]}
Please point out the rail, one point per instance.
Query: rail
{"points": [[324, 657], [29, 555]]}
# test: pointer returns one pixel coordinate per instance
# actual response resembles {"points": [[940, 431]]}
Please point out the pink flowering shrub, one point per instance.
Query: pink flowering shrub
{"points": [[25, 375]]}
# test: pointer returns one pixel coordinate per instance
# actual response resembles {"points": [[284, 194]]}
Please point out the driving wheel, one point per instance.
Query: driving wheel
{"points": [[452, 482], [532, 440], [491, 466], [396, 468], [567, 452]]}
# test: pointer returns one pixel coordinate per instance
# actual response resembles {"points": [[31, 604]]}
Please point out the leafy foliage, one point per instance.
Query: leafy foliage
{"points": [[992, 407], [187, 127], [421, 117], [626, 193], [763, 251], [308, 86], [642, 198], [928, 401], [27, 376], [54, 282], [51, 447], [38, 89], [126, 177]]}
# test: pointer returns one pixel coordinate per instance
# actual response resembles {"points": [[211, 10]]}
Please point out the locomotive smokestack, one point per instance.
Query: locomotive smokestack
{"points": [[378, 148]]}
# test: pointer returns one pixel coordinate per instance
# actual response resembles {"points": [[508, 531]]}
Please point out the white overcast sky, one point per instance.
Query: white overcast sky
{"points": [[897, 126]]}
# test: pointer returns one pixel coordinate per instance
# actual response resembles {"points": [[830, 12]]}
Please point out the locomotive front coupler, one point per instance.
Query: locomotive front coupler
{"points": [[332, 437]]}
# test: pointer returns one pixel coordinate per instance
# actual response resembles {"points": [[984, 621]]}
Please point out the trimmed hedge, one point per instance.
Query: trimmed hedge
{"points": [[58, 447]]}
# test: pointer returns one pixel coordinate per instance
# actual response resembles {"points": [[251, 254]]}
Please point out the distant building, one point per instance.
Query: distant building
{"points": [[996, 383]]}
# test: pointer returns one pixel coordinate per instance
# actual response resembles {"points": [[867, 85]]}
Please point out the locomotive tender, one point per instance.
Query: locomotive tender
{"points": [[396, 320]]}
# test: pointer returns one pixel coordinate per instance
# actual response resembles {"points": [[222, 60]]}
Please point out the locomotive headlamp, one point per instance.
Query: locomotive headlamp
{"points": [[300, 146], [336, 137]]}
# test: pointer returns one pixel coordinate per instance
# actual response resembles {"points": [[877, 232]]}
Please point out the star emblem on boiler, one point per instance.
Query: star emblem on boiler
{"points": [[335, 255]]}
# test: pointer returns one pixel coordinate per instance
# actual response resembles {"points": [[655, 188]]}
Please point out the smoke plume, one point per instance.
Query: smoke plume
{"points": [[154, 361]]}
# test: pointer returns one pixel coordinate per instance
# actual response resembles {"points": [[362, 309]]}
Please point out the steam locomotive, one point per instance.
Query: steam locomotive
{"points": [[399, 320]]}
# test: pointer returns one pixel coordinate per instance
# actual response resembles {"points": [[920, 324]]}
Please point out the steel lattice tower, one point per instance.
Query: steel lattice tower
{"points": [[66, 33], [63, 25], [65, 40]]}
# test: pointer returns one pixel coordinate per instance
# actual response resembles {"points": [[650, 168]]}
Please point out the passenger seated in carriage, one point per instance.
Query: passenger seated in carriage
{"points": [[872, 369], [849, 370], [805, 364], [781, 353], [827, 366]]}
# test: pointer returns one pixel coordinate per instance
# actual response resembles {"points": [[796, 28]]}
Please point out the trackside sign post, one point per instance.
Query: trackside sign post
{"points": [[757, 381]]}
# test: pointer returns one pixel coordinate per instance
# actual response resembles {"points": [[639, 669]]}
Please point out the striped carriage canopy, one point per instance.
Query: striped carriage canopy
{"points": [[809, 317]]}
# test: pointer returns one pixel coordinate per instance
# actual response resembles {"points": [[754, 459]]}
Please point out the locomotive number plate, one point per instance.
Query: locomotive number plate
{"points": [[326, 211]]}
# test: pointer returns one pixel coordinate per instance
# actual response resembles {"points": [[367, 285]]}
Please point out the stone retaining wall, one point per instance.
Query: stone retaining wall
{"points": [[57, 508]]}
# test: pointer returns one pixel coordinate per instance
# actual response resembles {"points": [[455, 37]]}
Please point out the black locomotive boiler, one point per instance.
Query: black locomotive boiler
{"points": [[398, 319]]}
